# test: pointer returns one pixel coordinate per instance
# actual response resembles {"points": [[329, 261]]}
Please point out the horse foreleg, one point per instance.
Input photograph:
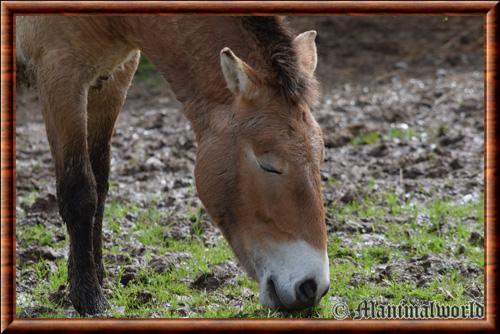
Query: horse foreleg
{"points": [[64, 103], [105, 102]]}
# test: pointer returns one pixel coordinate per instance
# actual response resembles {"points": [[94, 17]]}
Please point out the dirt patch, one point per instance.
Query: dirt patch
{"points": [[224, 273]]}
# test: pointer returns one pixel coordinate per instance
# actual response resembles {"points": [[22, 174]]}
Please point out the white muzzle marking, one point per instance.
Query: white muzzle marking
{"points": [[282, 270]]}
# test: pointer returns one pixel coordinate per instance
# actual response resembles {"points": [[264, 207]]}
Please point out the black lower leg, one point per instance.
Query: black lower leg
{"points": [[97, 243], [77, 199], [100, 165]]}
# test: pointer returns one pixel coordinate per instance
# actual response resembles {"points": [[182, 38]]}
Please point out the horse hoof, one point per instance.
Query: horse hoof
{"points": [[89, 302]]}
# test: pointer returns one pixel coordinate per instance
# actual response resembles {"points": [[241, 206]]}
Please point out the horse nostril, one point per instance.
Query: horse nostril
{"points": [[273, 295], [306, 291]]}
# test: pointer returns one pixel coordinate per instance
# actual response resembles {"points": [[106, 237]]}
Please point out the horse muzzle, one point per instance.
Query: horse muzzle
{"points": [[292, 276]]}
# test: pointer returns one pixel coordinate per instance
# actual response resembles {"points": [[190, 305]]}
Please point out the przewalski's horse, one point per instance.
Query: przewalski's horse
{"points": [[247, 87]]}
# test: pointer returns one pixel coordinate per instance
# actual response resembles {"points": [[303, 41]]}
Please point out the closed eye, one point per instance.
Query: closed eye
{"points": [[268, 168]]}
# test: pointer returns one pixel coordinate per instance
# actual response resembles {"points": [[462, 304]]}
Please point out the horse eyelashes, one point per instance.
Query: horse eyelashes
{"points": [[269, 168]]}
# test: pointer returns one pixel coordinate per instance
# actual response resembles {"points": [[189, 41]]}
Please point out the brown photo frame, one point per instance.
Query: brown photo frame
{"points": [[488, 9]]}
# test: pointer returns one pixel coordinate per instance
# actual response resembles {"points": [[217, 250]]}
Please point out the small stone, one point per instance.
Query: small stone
{"points": [[401, 65], [449, 140], [178, 232], [473, 292], [144, 296], [60, 297], [348, 196], [129, 275], [476, 239], [38, 253], [160, 264], [455, 164], [120, 310], [46, 203], [460, 250], [206, 281], [153, 163], [422, 282]]}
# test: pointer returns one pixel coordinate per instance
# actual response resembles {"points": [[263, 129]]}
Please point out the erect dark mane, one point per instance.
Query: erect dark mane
{"points": [[275, 39]]}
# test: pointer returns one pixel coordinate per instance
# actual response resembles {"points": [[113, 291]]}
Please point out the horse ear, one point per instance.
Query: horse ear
{"points": [[306, 50], [240, 77]]}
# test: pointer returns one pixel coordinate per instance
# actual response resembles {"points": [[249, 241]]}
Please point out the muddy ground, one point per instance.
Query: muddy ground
{"points": [[401, 110]]}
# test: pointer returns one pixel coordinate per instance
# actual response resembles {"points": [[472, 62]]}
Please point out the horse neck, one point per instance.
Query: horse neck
{"points": [[186, 51]]}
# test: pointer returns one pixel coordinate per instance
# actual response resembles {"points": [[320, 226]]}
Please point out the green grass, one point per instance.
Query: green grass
{"points": [[402, 133], [148, 76], [37, 234], [195, 218], [374, 137], [367, 138], [446, 225], [30, 198], [423, 241]]}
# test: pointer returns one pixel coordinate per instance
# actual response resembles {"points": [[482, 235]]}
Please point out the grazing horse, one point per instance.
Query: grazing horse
{"points": [[247, 86]]}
